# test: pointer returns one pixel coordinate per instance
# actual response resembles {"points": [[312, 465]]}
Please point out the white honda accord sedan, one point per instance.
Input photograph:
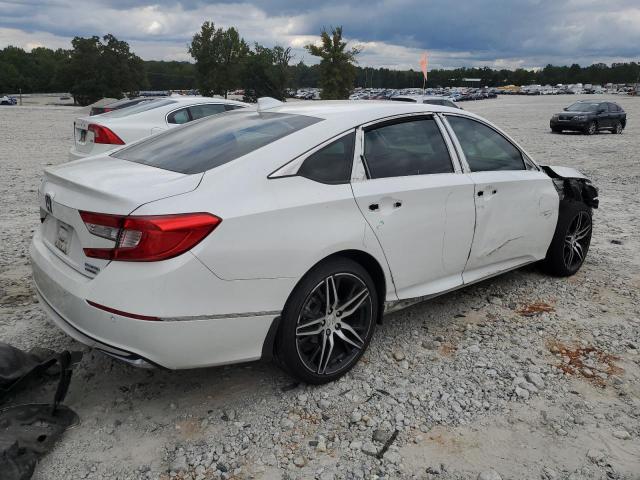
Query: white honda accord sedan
{"points": [[95, 134], [285, 232]]}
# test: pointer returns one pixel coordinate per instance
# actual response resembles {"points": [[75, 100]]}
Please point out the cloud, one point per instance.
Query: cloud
{"points": [[499, 33]]}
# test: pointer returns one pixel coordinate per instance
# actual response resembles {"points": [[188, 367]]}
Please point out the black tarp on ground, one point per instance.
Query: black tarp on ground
{"points": [[28, 431]]}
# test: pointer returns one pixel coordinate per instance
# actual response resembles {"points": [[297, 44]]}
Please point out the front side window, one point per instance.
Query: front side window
{"points": [[331, 164], [413, 147], [484, 148], [201, 111], [214, 141]]}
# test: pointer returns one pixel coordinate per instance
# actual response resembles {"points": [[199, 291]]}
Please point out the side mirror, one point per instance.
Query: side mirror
{"points": [[565, 108], [601, 110]]}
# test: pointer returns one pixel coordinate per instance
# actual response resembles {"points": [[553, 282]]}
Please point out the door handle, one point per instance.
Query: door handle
{"points": [[374, 207]]}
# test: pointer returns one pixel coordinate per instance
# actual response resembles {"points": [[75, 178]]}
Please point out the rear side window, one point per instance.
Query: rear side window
{"points": [[413, 147], [201, 146], [201, 111], [331, 164], [484, 148], [179, 116]]}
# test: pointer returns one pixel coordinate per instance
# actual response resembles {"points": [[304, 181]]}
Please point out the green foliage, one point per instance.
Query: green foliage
{"points": [[219, 56], [95, 69], [174, 75], [265, 72], [337, 69]]}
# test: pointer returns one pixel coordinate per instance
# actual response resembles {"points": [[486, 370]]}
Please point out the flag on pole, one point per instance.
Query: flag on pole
{"points": [[423, 65]]}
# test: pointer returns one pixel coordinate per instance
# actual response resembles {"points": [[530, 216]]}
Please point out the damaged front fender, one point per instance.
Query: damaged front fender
{"points": [[572, 185]]}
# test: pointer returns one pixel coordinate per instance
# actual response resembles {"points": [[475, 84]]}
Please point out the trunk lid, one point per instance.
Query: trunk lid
{"points": [[104, 185]]}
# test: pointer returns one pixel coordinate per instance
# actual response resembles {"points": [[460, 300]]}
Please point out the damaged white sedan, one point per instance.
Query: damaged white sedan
{"points": [[286, 232]]}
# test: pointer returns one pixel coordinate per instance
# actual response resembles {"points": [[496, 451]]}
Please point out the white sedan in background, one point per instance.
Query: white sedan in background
{"points": [[97, 134], [286, 232]]}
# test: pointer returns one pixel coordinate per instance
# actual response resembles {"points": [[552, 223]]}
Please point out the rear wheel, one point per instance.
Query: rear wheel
{"points": [[592, 128], [571, 240], [328, 321]]}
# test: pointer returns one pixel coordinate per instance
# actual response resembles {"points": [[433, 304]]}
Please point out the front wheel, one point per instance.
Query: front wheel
{"points": [[328, 321], [556, 130], [617, 128], [571, 240], [592, 128]]}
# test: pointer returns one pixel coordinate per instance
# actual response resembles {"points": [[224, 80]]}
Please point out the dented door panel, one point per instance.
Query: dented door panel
{"points": [[516, 215]]}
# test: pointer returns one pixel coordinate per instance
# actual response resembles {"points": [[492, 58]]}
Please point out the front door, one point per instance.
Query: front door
{"points": [[420, 206], [516, 204]]}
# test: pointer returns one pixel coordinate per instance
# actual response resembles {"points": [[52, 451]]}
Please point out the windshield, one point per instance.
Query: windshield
{"points": [[214, 141], [583, 107], [138, 108]]}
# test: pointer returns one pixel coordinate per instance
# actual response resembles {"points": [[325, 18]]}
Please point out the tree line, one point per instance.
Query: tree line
{"points": [[97, 67]]}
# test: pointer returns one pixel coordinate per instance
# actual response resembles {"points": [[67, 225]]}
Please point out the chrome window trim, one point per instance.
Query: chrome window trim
{"points": [[291, 168], [363, 174]]}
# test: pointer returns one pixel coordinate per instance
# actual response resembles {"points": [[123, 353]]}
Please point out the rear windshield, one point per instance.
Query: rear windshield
{"points": [[214, 141], [138, 108]]}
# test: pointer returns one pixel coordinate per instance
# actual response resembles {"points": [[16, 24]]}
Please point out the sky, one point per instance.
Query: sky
{"points": [[391, 33]]}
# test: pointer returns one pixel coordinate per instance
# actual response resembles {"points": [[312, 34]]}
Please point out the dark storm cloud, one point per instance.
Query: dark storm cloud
{"points": [[521, 32]]}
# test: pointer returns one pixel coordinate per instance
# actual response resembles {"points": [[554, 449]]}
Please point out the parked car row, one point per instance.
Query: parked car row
{"points": [[132, 120], [285, 231], [7, 100]]}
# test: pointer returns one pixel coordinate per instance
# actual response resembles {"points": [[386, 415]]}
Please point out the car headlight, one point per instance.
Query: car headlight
{"points": [[555, 117]]}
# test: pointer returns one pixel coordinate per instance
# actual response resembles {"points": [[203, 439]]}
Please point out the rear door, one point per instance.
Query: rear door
{"points": [[516, 204], [417, 201]]}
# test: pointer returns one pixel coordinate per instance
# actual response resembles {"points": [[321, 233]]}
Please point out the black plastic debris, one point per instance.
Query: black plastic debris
{"points": [[28, 431]]}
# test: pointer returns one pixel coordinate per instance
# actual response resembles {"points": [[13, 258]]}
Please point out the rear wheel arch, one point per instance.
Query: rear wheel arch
{"points": [[365, 260], [369, 263]]}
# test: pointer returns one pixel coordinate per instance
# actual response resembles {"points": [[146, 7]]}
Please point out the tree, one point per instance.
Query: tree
{"points": [[337, 69], [218, 54], [265, 73], [94, 70]]}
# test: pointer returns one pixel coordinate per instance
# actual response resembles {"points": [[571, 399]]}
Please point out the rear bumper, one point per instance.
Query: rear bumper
{"points": [[175, 342]]}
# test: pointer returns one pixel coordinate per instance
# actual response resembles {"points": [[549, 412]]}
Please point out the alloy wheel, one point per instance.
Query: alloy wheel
{"points": [[577, 240], [618, 128], [334, 323], [592, 128]]}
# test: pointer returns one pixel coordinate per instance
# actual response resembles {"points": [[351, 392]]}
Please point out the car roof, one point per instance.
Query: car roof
{"points": [[350, 113]]}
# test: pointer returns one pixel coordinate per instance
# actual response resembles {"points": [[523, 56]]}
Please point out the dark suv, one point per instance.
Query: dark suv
{"points": [[590, 116]]}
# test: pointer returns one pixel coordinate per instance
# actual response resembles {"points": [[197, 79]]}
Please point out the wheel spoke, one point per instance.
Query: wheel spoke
{"points": [[354, 303], [349, 328], [344, 338], [310, 323], [327, 339], [583, 233], [570, 260], [578, 249]]}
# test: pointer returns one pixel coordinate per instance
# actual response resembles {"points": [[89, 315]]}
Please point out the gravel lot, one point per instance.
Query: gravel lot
{"points": [[519, 377]]}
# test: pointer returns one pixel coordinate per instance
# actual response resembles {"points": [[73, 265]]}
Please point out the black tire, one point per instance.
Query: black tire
{"points": [[591, 128], [617, 128], [298, 345], [571, 240], [556, 130]]}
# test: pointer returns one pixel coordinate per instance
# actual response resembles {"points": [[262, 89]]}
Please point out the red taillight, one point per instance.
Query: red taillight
{"points": [[148, 238], [102, 134]]}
